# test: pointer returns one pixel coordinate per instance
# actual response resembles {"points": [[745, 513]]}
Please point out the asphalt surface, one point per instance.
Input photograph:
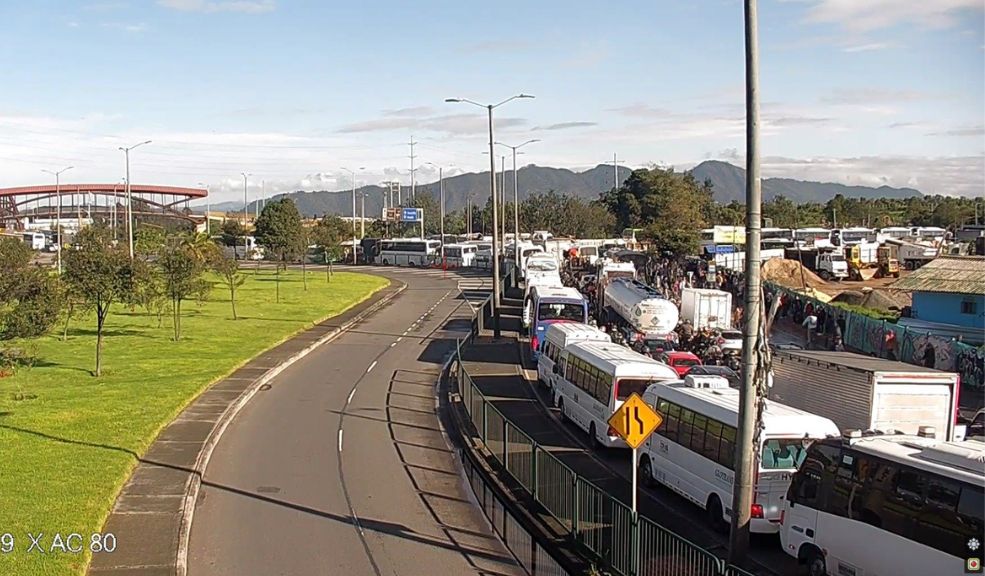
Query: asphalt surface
{"points": [[340, 466], [517, 394]]}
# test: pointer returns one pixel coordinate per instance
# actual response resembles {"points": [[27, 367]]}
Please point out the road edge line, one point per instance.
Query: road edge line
{"points": [[193, 486]]}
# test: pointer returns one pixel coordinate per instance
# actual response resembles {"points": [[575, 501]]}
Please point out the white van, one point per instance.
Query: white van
{"points": [[559, 337]]}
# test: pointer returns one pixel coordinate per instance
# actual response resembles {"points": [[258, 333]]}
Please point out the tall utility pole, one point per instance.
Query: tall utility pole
{"points": [[246, 200], [362, 215], [126, 154], [516, 201], [413, 171], [468, 216], [502, 199], [263, 194], [58, 211], [208, 204], [615, 172], [353, 173], [742, 489], [497, 298]]}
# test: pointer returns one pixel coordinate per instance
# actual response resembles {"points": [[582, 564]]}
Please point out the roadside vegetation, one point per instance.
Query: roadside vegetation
{"points": [[97, 361]]}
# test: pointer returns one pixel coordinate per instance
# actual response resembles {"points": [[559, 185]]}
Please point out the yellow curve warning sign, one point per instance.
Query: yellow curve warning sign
{"points": [[634, 421]]}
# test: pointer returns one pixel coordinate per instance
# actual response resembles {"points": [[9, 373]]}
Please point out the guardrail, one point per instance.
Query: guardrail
{"points": [[598, 522]]}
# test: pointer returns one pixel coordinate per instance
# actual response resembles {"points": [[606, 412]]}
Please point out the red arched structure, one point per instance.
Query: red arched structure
{"points": [[25, 203]]}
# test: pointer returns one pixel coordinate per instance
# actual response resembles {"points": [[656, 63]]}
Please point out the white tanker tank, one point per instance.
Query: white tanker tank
{"points": [[641, 306]]}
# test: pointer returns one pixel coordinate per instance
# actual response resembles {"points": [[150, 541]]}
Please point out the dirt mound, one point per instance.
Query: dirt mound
{"points": [[884, 300], [791, 274]]}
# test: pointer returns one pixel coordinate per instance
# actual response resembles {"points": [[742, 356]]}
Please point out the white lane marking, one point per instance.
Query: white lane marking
{"points": [[399, 338], [371, 366], [351, 394], [340, 439], [392, 344]]}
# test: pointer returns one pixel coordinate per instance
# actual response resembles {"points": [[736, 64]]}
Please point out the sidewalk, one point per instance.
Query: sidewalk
{"points": [[152, 514]]}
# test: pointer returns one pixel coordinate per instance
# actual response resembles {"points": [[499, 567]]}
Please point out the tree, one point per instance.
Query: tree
{"points": [[671, 207], [432, 214], [101, 274], [231, 232], [328, 235], [278, 230], [30, 298], [229, 274], [181, 265]]}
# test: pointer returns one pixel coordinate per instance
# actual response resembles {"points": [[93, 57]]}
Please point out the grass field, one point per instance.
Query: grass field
{"points": [[65, 436]]}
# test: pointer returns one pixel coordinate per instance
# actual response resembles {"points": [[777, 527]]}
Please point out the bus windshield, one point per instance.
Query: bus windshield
{"points": [[783, 453], [561, 311], [541, 265]]}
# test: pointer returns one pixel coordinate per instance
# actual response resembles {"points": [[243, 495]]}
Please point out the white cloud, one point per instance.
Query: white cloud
{"points": [[978, 130], [874, 96], [566, 126], [869, 47], [951, 175], [73, 24], [411, 112], [244, 6], [459, 124], [866, 15], [126, 27]]}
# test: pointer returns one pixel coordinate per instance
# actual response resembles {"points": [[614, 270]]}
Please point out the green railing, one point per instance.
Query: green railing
{"points": [[603, 525]]}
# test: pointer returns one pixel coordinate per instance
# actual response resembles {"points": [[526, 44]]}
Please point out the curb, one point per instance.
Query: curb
{"points": [[205, 454]]}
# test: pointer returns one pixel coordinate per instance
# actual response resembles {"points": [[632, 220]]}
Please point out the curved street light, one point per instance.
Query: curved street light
{"points": [[497, 298]]}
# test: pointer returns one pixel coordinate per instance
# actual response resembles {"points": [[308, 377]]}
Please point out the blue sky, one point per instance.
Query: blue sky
{"points": [[873, 92]]}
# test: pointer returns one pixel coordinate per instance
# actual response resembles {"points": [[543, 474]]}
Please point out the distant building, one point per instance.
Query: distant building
{"points": [[948, 293]]}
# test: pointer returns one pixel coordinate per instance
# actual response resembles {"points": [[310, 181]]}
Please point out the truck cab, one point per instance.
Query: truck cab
{"points": [[832, 266]]}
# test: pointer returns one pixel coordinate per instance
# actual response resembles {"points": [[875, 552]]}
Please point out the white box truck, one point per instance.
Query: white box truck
{"points": [[707, 308], [866, 393]]}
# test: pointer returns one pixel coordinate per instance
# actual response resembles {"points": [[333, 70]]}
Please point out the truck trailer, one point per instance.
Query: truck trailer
{"points": [[867, 393], [707, 308]]}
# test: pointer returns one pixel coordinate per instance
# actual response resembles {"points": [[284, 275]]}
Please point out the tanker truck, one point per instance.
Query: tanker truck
{"points": [[644, 311]]}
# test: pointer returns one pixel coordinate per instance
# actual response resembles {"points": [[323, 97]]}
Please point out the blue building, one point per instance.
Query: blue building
{"points": [[949, 292]]}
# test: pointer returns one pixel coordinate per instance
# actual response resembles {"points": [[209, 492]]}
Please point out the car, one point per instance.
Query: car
{"points": [[730, 340], [711, 370], [681, 362]]}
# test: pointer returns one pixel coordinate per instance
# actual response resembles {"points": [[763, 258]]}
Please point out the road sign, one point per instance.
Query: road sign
{"points": [[392, 215], [634, 421], [410, 215]]}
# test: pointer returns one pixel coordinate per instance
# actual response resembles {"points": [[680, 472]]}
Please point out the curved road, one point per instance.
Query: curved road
{"points": [[340, 468]]}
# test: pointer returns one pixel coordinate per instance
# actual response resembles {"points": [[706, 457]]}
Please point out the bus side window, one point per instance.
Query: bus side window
{"points": [[671, 423], [938, 526], [684, 434], [726, 453], [698, 433]]}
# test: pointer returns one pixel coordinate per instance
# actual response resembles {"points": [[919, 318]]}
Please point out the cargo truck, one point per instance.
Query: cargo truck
{"points": [[866, 393], [707, 308]]}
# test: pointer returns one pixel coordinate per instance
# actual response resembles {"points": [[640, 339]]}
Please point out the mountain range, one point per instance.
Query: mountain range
{"points": [[728, 183]]}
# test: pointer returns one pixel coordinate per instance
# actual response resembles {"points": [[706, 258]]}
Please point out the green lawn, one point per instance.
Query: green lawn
{"points": [[64, 435]]}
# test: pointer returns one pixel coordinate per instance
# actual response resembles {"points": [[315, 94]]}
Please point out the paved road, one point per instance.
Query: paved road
{"points": [[340, 467]]}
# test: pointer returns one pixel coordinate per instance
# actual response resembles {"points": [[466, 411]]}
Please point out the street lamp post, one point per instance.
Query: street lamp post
{"points": [[246, 199], [126, 154], [208, 208], [497, 301], [353, 173], [58, 212], [516, 202], [441, 211]]}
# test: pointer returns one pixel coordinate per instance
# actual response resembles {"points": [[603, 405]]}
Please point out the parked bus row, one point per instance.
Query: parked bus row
{"points": [[836, 502]]}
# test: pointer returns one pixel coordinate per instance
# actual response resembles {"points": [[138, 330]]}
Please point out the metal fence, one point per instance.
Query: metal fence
{"points": [[600, 523]]}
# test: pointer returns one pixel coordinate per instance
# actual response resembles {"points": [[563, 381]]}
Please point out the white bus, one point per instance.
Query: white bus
{"points": [[559, 337], [595, 378], [693, 451], [459, 255], [887, 504], [35, 240], [408, 252]]}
